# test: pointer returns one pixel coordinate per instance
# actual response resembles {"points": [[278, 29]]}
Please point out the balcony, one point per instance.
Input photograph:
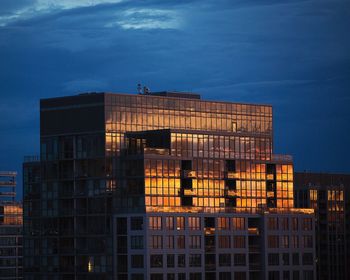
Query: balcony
{"points": [[189, 174], [253, 231], [270, 194], [231, 193], [231, 175], [189, 192]]}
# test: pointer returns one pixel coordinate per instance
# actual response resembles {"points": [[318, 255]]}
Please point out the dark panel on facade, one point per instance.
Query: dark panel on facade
{"points": [[76, 114]]}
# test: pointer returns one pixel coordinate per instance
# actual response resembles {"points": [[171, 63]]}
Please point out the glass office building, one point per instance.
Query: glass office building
{"points": [[163, 164]]}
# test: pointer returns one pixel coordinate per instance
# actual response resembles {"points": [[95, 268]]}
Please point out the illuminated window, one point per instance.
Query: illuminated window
{"points": [[155, 223], [194, 223], [156, 241], [238, 223], [224, 241], [169, 223], [180, 223], [223, 223]]}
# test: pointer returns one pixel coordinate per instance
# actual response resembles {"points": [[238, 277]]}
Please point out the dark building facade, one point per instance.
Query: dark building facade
{"points": [[123, 175], [10, 228], [329, 195]]}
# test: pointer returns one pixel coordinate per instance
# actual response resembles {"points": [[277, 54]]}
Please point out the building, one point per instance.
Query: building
{"points": [[329, 195], [10, 228], [163, 186]]}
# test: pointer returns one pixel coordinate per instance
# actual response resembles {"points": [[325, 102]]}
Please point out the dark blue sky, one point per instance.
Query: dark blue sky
{"points": [[294, 55]]}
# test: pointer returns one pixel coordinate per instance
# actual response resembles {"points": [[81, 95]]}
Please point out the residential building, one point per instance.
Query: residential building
{"points": [[329, 195], [163, 186]]}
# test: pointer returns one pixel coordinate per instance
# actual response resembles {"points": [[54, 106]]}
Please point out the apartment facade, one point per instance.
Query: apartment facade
{"points": [[114, 163], [329, 195], [10, 228]]}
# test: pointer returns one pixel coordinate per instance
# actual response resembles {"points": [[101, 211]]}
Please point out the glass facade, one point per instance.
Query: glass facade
{"points": [[10, 228], [111, 154]]}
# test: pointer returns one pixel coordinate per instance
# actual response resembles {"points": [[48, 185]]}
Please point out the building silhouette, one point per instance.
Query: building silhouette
{"points": [[162, 186], [329, 195]]}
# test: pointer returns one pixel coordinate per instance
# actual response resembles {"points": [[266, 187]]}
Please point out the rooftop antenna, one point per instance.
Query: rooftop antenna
{"points": [[139, 88], [146, 90]]}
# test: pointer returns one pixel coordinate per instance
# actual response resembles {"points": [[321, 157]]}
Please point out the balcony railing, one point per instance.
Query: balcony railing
{"points": [[253, 231], [231, 175], [231, 193], [189, 174], [189, 192]]}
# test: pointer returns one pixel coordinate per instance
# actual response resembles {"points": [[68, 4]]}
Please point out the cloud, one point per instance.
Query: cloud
{"points": [[146, 18]]}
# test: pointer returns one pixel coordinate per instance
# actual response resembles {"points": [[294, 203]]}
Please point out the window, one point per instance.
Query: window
{"points": [[181, 242], [285, 223], [156, 260], [156, 242], [136, 242], [295, 241], [239, 241], [195, 260], [285, 259], [273, 259], [181, 276], [156, 276], [286, 275], [194, 223], [180, 223], [169, 242], [224, 259], [223, 223], [307, 241], [136, 223], [308, 275], [224, 275], [272, 223], [170, 276], [170, 260], [240, 275], [137, 276], [274, 275], [239, 259], [169, 223], [195, 276], [295, 258], [307, 259], [181, 260], [224, 241], [155, 223], [307, 224], [137, 261], [285, 241], [238, 223], [195, 241], [294, 223], [272, 241], [296, 275]]}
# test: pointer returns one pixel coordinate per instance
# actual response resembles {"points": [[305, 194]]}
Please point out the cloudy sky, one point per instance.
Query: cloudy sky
{"points": [[291, 54]]}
